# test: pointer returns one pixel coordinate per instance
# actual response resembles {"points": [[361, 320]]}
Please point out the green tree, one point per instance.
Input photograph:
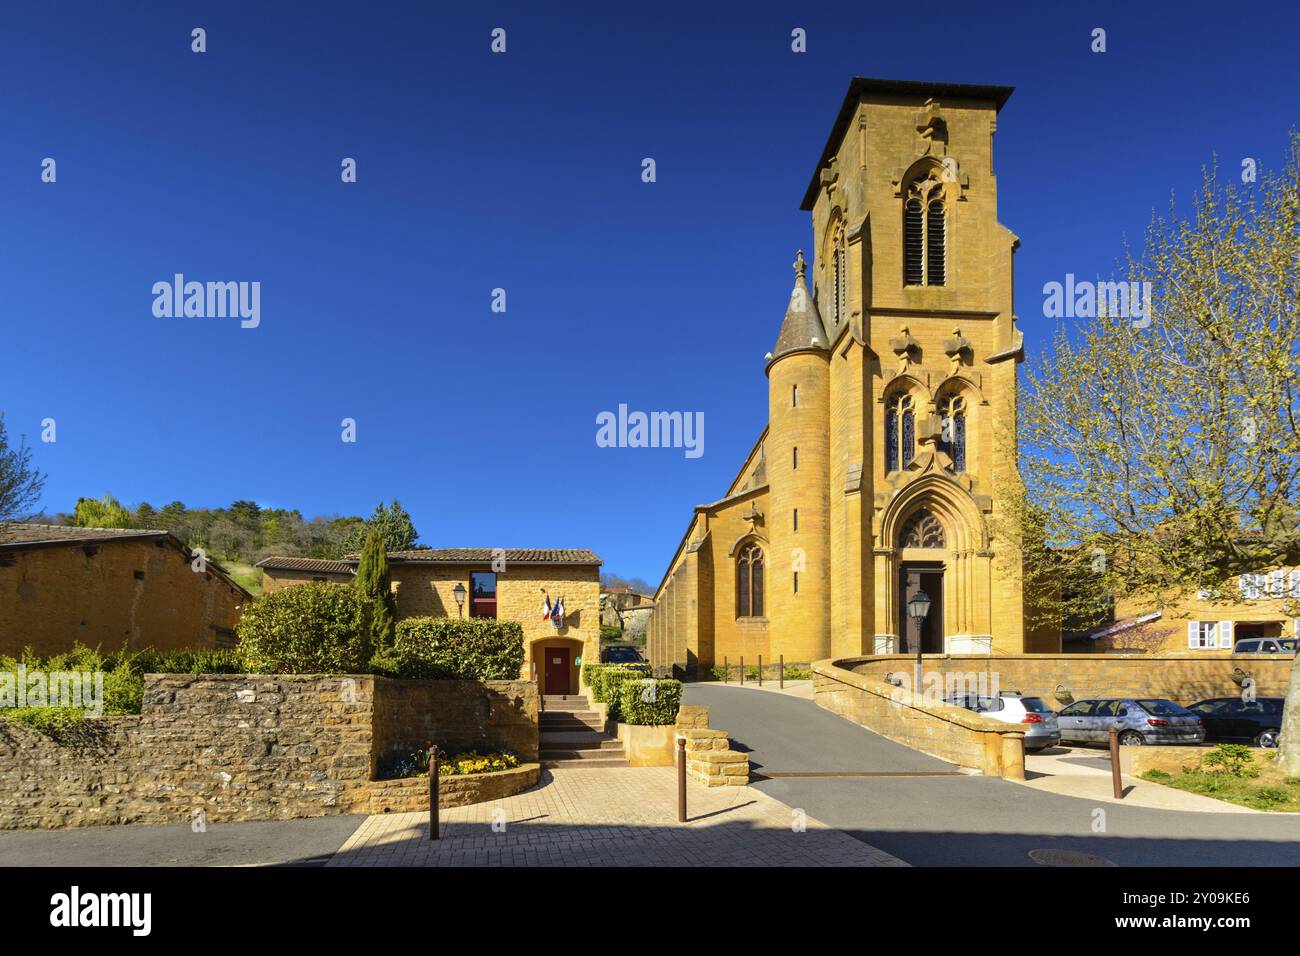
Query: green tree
{"points": [[20, 483], [1160, 452], [146, 516], [376, 584], [394, 526], [103, 512]]}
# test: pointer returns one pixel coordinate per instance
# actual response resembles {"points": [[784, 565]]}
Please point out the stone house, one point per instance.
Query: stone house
{"points": [[1205, 623], [508, 583], [110, 587], [891, 413]]}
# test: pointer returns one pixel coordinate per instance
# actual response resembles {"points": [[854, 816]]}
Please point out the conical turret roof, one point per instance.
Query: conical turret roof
{"points": [[802, 330]]}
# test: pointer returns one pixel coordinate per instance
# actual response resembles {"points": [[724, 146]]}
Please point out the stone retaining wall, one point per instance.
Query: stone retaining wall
{"points": [[950, 733], [1182, 678], [411, 794], [248, 747]]}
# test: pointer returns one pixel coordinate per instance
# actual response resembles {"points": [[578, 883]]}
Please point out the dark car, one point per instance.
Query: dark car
{"points": [[621, 654], [1231, 719], [1143, 720]]}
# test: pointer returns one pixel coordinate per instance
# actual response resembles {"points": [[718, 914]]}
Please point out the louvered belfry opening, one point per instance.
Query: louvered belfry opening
{"points": [[936, 254], [913, 244]]}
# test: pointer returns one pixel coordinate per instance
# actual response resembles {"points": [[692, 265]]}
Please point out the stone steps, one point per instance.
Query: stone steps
{"points": [[572, 735]]}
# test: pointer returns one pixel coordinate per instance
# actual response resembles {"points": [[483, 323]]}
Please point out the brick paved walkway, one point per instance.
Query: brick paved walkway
{"points": [[609, 817]]}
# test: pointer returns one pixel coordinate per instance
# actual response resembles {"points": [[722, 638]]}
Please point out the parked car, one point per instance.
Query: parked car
{"points": [[1265, 645], [620, 654], [1144, 720], [1231, 719], [1038, 719]]}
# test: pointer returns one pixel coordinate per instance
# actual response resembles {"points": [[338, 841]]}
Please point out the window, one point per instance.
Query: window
{"points": [[1252, 586], [794, 396], [840, 276], [899, 432], [482, 594], [935, 256], [913, 244], [794, 458], [749, 582], [925, 234], [922, 530], [796, 582], [1082, 709], [952, 430], [1203, 635], [796, 519]]}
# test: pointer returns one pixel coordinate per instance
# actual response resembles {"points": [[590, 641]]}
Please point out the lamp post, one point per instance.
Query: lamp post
{"points": [[917, 608], [458, 592]]}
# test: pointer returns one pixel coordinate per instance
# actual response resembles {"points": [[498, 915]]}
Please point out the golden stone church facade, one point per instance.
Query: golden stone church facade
{"points": [[891, 414]]}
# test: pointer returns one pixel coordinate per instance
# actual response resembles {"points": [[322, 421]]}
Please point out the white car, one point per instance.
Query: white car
{"points": [[1038, 720]]}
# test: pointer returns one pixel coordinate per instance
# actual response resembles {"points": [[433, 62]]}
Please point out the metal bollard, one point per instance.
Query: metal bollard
{"points": [[726, 670], [781, 672], [742, 670], [681, 779], [1114, 763], [760, 670], [433, 793]]}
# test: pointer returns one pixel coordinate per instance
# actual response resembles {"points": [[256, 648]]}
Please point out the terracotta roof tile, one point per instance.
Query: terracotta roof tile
{"points": [[318, 565]]}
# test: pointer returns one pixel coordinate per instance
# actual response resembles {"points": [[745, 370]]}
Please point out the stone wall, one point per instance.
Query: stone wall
{"points": [[249, 747], [1182, 678], [411, 795], [949, 733], [456, 715], [711, 761]]}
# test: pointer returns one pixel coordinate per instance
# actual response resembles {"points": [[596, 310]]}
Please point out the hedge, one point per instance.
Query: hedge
{"points": [[605, 681], [123, 679], [650, 702], [314, 628], [454, 649]]}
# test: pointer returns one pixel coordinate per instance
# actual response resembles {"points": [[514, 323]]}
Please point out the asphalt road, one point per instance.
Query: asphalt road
{"points": [[278, 843], [966, 820]]}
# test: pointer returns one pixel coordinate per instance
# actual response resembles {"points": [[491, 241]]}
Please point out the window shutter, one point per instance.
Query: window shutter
{"points": [[1295, 585], [1277, 584], [1193, 634], [1225, 634]]}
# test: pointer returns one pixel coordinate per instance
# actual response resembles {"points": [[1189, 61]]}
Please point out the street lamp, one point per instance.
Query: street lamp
{"points": [[917, 608], [458, 592]]}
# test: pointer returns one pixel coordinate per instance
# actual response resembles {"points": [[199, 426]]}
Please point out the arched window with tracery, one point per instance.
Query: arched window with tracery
{"points": [[749, 582], [921, 530], [952, 430], [900, 432], [925, 233]]}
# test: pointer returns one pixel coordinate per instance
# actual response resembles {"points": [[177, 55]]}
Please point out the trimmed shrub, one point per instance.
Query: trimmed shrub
{"points": [[447, 648], [316, 628], [1234, 760], [606, 680], [649, 702]]}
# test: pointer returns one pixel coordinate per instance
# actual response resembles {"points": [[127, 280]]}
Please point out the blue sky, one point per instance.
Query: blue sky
{"points": [[520, 171]]}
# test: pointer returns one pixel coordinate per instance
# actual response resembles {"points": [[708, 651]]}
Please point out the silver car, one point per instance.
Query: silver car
{"points": [[1143, 720], [1035, 718]]}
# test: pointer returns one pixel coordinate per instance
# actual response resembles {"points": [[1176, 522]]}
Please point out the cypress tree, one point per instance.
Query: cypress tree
{"points": [[375, 583]]}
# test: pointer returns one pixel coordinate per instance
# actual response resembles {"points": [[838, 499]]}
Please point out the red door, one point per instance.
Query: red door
{"points": [[557, 670]]}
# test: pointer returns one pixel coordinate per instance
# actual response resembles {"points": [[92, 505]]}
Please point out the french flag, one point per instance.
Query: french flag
{"points": [[546, 608], [557, 612]]}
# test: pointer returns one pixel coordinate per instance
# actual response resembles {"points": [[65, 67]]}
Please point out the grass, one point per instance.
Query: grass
{"points": [[1224, 775], [246, 576]]}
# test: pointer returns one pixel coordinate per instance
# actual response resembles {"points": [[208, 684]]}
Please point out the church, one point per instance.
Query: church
{"points": [[890, 442]]}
